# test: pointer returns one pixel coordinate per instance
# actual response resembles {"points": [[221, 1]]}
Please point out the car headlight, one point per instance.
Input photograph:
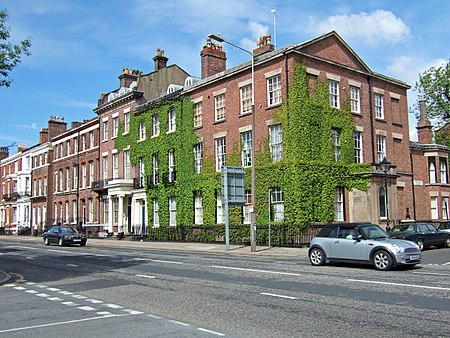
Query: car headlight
{"points": [[396, 248]]}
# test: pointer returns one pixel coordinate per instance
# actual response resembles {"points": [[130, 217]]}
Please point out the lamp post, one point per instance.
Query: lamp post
{"points": [[219, 38], [385, 166]]}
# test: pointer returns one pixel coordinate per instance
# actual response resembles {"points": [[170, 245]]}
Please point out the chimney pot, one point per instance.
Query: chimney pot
{"points": [[160, 60]]}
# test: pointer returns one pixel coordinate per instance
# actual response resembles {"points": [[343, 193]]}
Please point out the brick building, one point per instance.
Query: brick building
{"points": [[120, 186], [75, 169]]}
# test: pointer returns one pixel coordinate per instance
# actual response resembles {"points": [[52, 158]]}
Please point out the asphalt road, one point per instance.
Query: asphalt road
{"points": [[105, 292]]}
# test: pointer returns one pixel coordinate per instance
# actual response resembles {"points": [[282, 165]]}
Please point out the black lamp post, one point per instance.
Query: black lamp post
{"points": [[385, 166]]}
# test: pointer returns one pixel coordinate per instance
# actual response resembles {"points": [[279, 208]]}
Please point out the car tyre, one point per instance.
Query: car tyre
{"points": [[419, 242], [83, 244], [316, 257], [382, 260], [447, 242], [46, 241], [60, 242]]}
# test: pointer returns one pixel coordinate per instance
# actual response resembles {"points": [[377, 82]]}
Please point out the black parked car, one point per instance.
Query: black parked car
{"points": [[424, 234], [63, 235]]}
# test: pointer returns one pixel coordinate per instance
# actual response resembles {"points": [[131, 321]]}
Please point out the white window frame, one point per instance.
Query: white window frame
{"points": [[277, 204], [219, 107], [171, 120], [246, 144], [155, 125], [336, 143], [445, 211], [155, 213], [83, 175], [115, 163], [198, 209], [434, 207], [381, 147], [91, 172], [432, 169], [142, 133], [171, 156], [246, 214], [334, 93], [105, 167], [172, 211], [355, 103], [274, 90], [246, 99], [276, 142], [220, 216], [443, 170], [379, 106], [127, 164], [198, 157], [221, 152], [105, 130], [126, 123], [339, 212], [357, 147], [382, 200], [198, 114], [115, 130], [155, 168], [91, 139]]}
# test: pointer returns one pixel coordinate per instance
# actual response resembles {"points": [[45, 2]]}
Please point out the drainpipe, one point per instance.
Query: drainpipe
{"points": [[412, 182], [372, 130]]}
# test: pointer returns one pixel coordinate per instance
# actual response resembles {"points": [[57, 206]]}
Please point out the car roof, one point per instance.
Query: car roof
{"points": [[326, 228]]}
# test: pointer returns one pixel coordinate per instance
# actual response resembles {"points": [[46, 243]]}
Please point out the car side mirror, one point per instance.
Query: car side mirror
{"points": [[358, 238]]}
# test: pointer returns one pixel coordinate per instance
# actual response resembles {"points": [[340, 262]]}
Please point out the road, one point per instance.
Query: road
{"points": [[106, 292]]}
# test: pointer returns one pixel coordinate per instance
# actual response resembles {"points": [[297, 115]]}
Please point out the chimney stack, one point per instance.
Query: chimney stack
{"points": [[43, 136], [424, 128], [127, 77], [21, 147], [4, 152], [56, 126], [160, 60], [264, 45], [214, 60]]}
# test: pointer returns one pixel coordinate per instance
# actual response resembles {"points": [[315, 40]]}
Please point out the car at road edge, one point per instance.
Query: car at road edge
{"points": [[362, 243], [422, 233], [63, 235]]}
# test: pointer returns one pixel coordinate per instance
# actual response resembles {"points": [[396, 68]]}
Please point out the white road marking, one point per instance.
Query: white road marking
{"points": [[32, 291], [79, 297], [59, 251], [432, 273], [41, 286], [256, 270], [162, 261], [70, 303], [275, 295], [30, 283], [145, 276], [74, 265], [43, 295], [133, 312], [24, 247], [94, 301], [53, 289], [212, 332], [19, 288], [179, 323], [59, 323], [114, 306], [154, 316], [87, 308], [448, 263], [104, 313], [54, 298], [30, 257], [399, 284], [67, 293]]}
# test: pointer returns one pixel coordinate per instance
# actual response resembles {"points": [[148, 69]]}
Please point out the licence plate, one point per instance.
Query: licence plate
{"points": [[77, 240], [414, 257]]}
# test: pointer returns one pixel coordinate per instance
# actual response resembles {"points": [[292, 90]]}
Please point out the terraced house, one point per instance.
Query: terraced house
{"points": [[330, 139]]}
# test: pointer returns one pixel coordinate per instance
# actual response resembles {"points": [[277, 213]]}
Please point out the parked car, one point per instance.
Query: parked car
{"points": [[362, 243], [424, 234], [63, 235], [444, 226]]}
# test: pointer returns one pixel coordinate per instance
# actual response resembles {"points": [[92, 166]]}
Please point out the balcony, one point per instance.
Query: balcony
{"points": [[100, 185], [152, 180], [37, 199], [170, 177], [138, 183], [10, 197]]}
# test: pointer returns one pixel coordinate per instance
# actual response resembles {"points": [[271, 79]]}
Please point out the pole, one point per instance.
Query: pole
{"points": [[78, 180], [270, 216], [253, 215]]}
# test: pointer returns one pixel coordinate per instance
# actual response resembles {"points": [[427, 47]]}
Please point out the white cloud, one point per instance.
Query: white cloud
{"points": [[256, 30], [32, 126], [372, 28]]}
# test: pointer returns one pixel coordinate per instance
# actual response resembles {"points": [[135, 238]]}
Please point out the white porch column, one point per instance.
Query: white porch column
{"points": [[110, 214], [120, 215]]}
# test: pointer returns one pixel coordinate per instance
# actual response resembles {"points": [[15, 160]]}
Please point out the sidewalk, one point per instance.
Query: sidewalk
{"points": [[178, 246]]}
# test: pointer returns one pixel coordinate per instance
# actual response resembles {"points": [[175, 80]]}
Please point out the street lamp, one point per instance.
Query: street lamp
{"points": [[385, 166], [219, 38]]}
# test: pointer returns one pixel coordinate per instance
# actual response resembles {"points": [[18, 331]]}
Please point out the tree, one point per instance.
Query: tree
{"points": [[10, 55], [434, 87]]}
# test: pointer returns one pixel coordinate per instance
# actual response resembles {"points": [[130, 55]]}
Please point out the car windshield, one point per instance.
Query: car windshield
{"points": [[373, 232], [68, 230], [403, 228]]}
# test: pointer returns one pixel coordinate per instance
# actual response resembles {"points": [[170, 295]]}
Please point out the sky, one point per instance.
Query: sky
{"points": [[79, 47]]}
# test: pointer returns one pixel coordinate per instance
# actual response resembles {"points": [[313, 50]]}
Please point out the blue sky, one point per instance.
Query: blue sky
{"points": [[79, 47]]}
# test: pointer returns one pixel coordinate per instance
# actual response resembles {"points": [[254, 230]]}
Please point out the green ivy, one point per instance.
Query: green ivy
{"points": [[307, 174]]}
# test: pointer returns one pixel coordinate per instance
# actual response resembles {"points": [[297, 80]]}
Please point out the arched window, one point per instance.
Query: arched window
{"points": [[383, 202]]}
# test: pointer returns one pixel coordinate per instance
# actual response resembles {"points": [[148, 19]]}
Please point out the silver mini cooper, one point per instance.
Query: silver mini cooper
{"points": [[361, 243]]}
